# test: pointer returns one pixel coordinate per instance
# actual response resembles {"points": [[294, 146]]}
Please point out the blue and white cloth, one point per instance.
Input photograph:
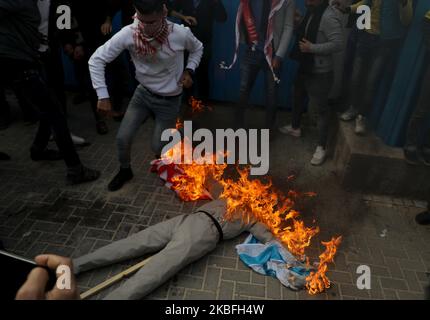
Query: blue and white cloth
{"points": [[272, 259]]}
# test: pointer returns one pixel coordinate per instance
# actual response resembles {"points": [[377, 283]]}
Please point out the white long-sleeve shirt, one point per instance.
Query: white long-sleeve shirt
{"points": [[161, 73]]}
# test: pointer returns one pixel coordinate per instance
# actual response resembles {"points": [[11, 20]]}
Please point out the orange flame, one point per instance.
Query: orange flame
{"points": [[179, 124], [251, 199], [317, 281], [197, 106], [191, 186]]}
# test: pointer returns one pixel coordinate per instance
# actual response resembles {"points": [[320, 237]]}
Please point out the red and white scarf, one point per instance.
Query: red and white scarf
{"points": [[244, 13], [145, 35]]}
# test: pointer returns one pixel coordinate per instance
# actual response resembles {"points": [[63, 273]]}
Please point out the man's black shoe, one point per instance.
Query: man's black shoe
{"points": [[423, 218], [4, 157], [411, 156], [81, 174], [123, 176], [46, 155]]}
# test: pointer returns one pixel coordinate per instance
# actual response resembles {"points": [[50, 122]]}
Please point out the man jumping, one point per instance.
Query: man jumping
{"points": [[157, 49]]}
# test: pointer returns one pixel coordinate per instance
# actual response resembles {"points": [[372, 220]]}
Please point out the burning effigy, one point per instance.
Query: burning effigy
{"points": [[237, 206], [251, 200]]}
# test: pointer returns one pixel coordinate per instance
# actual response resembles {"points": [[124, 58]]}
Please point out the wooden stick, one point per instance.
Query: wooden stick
{"points": [[111, 281]]}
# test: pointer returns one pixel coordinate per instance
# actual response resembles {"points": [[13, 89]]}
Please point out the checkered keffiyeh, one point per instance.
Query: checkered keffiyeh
{"points": [[244, 14], [145, 43]]}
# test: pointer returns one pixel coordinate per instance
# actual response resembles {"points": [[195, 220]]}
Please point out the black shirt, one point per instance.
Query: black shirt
{"points": [[19, 30]]}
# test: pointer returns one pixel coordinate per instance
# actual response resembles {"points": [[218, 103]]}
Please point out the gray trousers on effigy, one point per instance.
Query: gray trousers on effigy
{"points": [[178, 241]]}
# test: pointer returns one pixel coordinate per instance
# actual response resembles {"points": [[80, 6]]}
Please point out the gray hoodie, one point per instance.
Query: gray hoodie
{"points": [[329, 41]]}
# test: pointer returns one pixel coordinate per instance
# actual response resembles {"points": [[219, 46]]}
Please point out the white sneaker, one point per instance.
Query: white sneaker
{"points": [[349, 114], [78, 141], [360, 125], [297, 133], [319, 156]]}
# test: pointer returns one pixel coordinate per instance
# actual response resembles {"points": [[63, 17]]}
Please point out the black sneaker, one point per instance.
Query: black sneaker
{"points": [[123, 176], [4, 157], [411, 156], [423, 218], [81, 174], [102, 127], [45, 155]]}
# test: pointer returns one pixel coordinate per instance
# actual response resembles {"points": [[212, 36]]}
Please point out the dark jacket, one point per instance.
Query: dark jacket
{"points": [[90, 15], [206, 14], [19, 34]]}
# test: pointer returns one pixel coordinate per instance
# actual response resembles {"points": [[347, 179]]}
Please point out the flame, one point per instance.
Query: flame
{"points": [[197, 106], [179, 124], [191, 185], [317, 281], [252, 199]]}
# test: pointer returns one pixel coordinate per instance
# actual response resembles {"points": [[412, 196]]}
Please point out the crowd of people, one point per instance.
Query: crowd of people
{"points": [[337, 63]]}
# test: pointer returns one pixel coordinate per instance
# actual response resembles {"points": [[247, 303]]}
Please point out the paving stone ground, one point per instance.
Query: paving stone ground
{"points": [[40, 214]]}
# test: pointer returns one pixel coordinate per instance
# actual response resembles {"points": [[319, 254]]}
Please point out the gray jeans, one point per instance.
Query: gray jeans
{"points": [[318, 86], [372, 59], [141, 106]]}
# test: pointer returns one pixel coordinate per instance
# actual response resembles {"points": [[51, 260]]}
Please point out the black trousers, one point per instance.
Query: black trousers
{"points": [[53, 74], [25, 77], [418, 124]]}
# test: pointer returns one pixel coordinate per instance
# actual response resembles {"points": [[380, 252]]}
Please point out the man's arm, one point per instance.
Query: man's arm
{"points": [[220, 13], [288, 29], [333, 30], [8, 7], [104, 55], [261, 232], [195, 49]]}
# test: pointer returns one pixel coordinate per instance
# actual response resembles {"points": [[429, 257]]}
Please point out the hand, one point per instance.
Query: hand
{"points": [[305, 46], [186, 80], [79, 53], [68, 49], [104, 107], [276, 63], [106, 27], [35, 286], [191, 21]]}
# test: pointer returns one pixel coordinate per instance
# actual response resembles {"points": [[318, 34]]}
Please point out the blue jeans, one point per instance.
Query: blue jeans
{"points": [[141, 106], [251, 64]]}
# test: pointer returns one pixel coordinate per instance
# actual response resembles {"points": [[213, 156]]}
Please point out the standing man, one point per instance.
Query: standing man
{"points": [[19, 64], [157, 49], [205, 14], [50, 54], [376, 49], [94, 23], [266, 27], [420, 118], [319, 36]]}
